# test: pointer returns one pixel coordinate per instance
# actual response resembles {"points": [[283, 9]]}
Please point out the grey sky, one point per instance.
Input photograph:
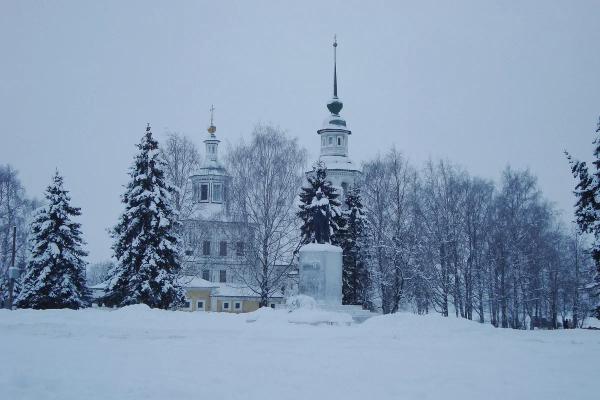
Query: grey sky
{"points": [[482, 84]]}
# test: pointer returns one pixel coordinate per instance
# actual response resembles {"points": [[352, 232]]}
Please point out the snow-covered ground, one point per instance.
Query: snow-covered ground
{"points": [[138, 353]]}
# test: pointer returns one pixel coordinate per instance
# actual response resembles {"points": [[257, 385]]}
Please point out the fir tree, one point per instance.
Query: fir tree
{"points": [[146, 241], [55, 275], [320, 206], [587, 208], [355, 274]]}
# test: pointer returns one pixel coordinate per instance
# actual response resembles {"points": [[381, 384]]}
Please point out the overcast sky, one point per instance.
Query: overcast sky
{"points": [[483, 84]]}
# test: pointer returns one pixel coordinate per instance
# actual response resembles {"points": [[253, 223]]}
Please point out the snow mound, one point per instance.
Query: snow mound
{"points": [[307, 316]]}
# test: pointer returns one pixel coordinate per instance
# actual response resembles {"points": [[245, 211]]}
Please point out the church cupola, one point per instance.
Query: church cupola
{"points": [[210, 184]]}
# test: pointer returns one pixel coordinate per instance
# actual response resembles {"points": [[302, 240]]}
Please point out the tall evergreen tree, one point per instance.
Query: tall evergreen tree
{"points": [[587, 208], [319, 206], [146, 241], [55, 276], [355, 274]]}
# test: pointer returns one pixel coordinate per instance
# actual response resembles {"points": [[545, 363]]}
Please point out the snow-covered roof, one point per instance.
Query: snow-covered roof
{"points": [[334, 122], [238, 290], [194, 282], [339, 163]]}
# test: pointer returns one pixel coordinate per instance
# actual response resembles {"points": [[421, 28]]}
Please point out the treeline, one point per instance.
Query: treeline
{"points": [[441, 240]]}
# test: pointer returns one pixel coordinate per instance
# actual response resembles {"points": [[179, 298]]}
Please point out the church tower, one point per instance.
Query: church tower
{"points": [[211, 182], [341, 170]]}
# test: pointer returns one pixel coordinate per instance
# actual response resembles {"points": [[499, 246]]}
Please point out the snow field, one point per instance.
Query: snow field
{"points": [[139, 353]]}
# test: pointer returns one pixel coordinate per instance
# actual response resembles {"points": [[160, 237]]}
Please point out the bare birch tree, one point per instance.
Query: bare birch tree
{"points": [[267, 174], [183, 160]]}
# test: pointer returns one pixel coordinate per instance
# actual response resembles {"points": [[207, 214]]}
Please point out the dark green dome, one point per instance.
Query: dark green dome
{"points": [[335, 106]]}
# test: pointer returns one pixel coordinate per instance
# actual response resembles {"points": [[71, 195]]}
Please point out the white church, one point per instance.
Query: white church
{"points": [[214, 252]]}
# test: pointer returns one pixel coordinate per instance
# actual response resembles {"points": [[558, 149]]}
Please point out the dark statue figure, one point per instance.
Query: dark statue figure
{"points": [[321, 222]]}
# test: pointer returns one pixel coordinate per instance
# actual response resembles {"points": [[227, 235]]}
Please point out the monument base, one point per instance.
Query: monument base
{"points": [[320, 273]]}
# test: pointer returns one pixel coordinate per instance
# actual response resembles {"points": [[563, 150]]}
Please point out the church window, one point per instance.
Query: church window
{"points": [[222, 275], [339, 140], [330, 140], [223, 249], [204, 192], [217, 193], [206, 248], [206, 274], [239, 249]]}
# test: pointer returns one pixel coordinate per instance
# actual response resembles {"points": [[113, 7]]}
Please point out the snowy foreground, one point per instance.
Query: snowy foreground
{"points": [[138, 353]]}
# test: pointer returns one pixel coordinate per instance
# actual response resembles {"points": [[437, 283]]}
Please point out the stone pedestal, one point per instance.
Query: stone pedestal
{"points": [[321, 273]]}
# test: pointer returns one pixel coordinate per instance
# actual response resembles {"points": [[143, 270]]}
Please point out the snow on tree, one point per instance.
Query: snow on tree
{"points": [[146, 243], [320, 206], [55, 275], [355, 274], [587, 208]]}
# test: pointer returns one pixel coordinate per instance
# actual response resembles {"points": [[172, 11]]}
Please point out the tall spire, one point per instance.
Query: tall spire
{"points": [[334, 65], [335, 105]]}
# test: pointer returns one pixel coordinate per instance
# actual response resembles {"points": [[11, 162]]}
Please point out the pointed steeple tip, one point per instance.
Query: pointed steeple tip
{"points": [[147, 126], [335, 105]]}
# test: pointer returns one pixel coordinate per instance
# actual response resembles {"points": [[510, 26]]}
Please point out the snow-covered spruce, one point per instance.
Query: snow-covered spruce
{"points": [[55, 276], [146, 240], [351, 239], [320, 206]]}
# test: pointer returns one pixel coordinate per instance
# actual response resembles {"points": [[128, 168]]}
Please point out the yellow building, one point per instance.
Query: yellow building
{"points": [[203, 295]]}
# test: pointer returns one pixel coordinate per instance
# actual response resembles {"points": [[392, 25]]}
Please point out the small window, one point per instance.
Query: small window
{"points": [[200, 305], [206, 275], [339, 140], [223, 249], [187, 304], [206, 248], [272, 305], [204, 192], [217, 193], [222, 276], [225, 305], [189, 252], [330, 140], [237, 306], [239, 249]]}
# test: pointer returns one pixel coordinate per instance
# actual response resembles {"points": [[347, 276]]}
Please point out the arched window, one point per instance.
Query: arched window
{"points": [[339, 140]]}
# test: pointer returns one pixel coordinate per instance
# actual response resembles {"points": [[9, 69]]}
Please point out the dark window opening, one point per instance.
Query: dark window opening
{"points": [[204, 192], [239, 249], [206, 275], [206, 248], [222, 276], [223, 249]]}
